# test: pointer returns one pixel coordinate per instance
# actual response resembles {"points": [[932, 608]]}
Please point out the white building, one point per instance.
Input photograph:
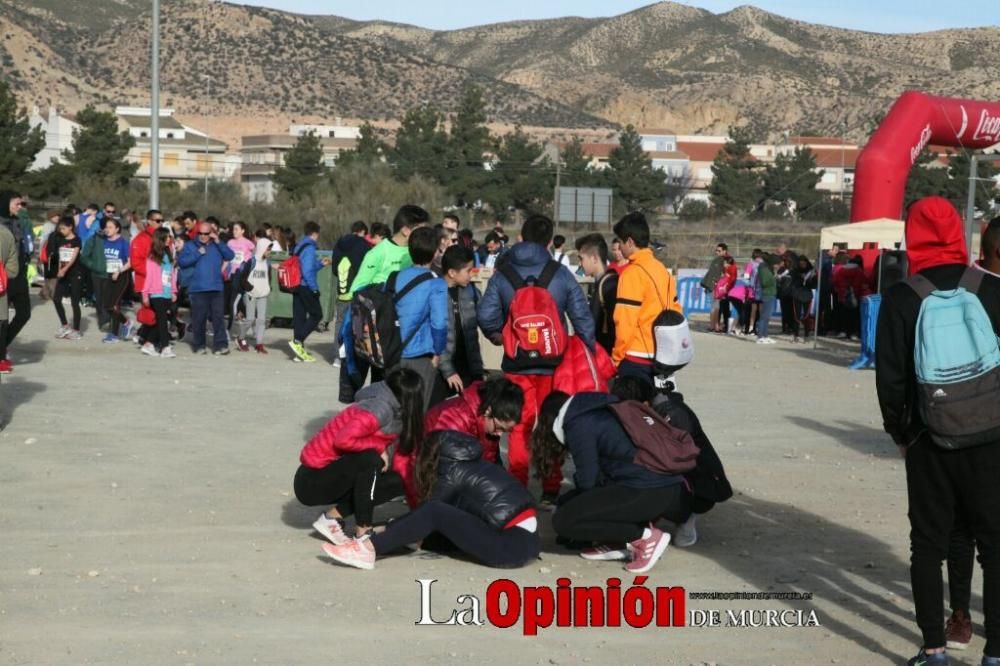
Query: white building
{"points": [[187, 155], [58, 136], [336, 131]]}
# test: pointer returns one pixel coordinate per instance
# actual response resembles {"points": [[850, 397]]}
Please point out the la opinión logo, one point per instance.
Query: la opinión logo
{"points": [[536, 608]]}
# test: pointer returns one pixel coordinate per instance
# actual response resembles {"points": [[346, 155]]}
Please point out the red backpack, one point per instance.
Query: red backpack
{"points": [[534, 336], [290, 274], [3, 279]]}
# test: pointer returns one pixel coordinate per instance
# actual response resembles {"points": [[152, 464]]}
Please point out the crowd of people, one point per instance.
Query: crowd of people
{"points": [[428, 426], [744, 301]]}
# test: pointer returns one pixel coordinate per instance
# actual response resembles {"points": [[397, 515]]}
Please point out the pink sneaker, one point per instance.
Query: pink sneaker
{"points": [[604, 553], [645, 552], [357, 553], [331, 530]]}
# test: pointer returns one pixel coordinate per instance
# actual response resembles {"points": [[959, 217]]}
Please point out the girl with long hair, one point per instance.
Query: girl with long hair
{"points": [[346, 464], [159, 293], [476, 505]]}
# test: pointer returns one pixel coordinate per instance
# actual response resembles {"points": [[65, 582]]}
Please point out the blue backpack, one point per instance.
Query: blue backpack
{"points": [[956, 354]]}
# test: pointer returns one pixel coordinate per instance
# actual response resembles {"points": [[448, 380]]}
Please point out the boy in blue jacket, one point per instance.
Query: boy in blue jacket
{"points": [[307, 311], [422, 311]]}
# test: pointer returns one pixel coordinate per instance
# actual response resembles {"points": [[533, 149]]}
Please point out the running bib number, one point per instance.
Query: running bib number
{"points": [[237, 258], [114, 265], [65, 255], [165, 277]]}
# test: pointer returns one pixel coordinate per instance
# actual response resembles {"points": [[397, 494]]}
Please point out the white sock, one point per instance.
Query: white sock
{"points": [[646, 533]]}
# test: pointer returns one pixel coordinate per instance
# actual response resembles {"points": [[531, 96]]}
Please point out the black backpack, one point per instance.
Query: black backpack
{"points": [[375, 324]]}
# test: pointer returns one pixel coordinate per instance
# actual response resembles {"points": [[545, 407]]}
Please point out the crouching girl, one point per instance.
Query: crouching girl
{"points": [[477, 505], [616, 500], [346, 463]]}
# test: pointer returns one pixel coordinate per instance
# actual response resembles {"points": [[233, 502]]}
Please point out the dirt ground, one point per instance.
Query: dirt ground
{"points": [[147, 518]]}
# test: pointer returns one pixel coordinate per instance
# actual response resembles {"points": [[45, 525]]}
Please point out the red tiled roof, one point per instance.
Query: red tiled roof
{"points": [[699, 152], [599, 150], [832, 158]]}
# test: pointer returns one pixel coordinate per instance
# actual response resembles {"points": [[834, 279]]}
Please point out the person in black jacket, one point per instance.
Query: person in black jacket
{"points": [[945, 487], [593, 252], [477, 505], [348, 255], [616, 501]]}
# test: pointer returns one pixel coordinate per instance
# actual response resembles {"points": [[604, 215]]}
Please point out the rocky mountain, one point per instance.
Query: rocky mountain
{"points": [[223, 59], [663, 65], [671, 65]]}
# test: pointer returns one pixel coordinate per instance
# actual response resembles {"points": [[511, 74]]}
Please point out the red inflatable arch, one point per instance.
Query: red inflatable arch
{"points": [[915, 120]]}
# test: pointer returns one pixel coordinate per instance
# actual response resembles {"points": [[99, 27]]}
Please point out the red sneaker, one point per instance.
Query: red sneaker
{"points": [[6, 367], [646, 551], [261, 349]]}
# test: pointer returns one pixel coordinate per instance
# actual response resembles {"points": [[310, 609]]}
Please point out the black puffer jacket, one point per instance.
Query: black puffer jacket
{"points": [[481, 488]]}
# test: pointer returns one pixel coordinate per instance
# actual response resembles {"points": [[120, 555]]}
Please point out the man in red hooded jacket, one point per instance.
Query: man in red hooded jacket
{"points": [[945, 487], [139, 250]]}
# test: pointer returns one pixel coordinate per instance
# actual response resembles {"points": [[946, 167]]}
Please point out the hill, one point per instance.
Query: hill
{"points": [[221, 59], [673, 65], [665, 65]]}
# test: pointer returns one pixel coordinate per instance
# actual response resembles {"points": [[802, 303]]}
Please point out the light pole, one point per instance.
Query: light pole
{"points": [[207, 77], [154, 157]]}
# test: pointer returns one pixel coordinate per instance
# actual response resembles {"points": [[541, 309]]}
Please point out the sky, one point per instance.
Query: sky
{"points": [[875, 16]]}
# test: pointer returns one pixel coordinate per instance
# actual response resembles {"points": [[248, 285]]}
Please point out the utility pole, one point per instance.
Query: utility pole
{"points": [[555, 198], [843, 159], [154, 163], [208, 164]]}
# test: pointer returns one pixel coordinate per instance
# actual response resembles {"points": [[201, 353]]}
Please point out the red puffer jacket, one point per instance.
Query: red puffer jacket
{"points": [[373, 422], [138, 253], [583, 370], [459, 413]]}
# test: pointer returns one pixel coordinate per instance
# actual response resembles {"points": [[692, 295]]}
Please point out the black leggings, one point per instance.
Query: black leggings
{"points": [[501, 548], [617, 514], [71, 286], [158, 334], [19, 298], [354, 482], [114, 292]]}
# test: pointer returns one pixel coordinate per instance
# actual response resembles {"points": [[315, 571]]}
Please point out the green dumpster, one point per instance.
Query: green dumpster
{"points": [[279, 304]]}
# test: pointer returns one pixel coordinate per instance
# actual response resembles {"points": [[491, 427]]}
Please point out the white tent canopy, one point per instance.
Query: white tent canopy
{"points": [[884, 231]]}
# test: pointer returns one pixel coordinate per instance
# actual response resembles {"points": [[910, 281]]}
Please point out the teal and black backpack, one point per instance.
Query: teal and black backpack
{"points": [[956, 354]]}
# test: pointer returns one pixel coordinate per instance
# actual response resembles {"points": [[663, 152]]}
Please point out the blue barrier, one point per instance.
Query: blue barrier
{"points": [[695, 300]]}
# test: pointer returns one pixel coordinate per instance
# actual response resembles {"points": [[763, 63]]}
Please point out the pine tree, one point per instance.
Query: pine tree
{"points": [[421, 146], [303, 167], [576, 169], [468, 141], [19, 142], [736, 183], [631, 174], [519, 177], [925, 180], [368, 150], [99, 149], [791, 180]]}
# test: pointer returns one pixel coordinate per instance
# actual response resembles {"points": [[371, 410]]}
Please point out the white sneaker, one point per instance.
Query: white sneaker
{"points": [[149, 350], [331, 530], [168, 352], [63, 332], [686, 534]]}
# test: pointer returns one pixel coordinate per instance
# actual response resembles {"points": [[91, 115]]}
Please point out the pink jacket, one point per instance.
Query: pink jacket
{"points": [[153, 284]]}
